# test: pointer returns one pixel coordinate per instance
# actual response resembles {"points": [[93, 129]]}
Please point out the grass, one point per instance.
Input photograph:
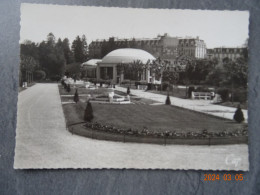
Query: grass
{"points": [[175, 92], [160, 117], [234, 104]]}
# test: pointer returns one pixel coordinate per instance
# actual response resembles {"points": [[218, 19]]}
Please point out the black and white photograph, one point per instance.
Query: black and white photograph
{"points": [[132, 88]]}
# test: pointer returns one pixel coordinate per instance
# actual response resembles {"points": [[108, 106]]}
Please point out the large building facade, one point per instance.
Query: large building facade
{"points": [[222, 52], [192, 47], [163, 46]]}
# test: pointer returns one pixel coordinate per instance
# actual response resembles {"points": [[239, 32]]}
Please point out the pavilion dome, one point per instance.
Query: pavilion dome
{"points": [[127, 55], [92, 62]]}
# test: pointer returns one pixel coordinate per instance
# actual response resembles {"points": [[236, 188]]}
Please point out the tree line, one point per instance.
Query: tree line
{"points": [[195, 72], [51, 58]]}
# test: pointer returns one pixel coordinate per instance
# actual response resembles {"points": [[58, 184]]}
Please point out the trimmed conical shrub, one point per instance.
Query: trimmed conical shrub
{"points": [[88, 116], [168, 101], [68, 88], [76, 96], [128, 90], [239, 116]]}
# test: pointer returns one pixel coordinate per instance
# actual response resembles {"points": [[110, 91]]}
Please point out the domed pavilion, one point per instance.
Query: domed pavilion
{"points": [[90, 67], [107, 69]]}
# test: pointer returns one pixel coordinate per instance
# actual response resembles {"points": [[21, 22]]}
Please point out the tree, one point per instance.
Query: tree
{"points": [[39, 75], [79, 49], [239, 116], [168, 100], [51, 39], [196, 70], [236, 72], [216, 77], [27, 65], [128, 90], [88, 115], [158, 67], [84, 46], [67, 51], [76, 96], [51, 57], [170, 76], [73, 69], [29, 48]]}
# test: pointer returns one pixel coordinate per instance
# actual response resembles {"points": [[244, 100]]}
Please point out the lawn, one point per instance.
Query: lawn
{"points": [[175, 92], [159, 117]]}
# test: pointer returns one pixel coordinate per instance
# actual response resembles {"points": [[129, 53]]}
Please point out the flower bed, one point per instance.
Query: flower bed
{"points": [[169, 134]]}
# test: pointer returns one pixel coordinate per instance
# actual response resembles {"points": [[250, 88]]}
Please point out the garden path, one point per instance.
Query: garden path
{"points": [[42, 141]]}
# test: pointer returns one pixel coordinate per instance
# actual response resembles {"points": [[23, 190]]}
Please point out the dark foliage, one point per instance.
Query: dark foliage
{"points": [[79, 49], [88, 116], [55, 78], [240, 95], [168, 101], [149, 86], [39, 75], [239, 116], [76, 96], [224, 93], [128, 90], [68, 88]]}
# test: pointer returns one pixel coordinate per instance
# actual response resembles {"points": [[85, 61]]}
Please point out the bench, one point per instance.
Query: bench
{"points": [[201, 95]]}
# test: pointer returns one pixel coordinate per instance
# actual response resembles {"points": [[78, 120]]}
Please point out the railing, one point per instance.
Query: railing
{"points": [[201, 95]]}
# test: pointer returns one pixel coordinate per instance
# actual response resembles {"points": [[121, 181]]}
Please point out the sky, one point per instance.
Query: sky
{"points": [[216, 28]]}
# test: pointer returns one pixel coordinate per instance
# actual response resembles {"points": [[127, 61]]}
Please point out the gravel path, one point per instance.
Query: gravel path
{"points": [[42, 141]]}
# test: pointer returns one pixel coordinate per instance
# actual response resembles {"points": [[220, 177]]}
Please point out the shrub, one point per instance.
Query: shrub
{"points": [[88, 116], [239, 116], [149, 86], [168, 101], [39, 75], [126, 81], [128, 90], [164, 86], [76, 96], [224, 93], [55, 78], [68, 88], [137, 83], [240, 95]]}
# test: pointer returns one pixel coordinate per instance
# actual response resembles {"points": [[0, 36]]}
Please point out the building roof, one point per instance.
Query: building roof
{"points": [[127, 55], [92, 62]]}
